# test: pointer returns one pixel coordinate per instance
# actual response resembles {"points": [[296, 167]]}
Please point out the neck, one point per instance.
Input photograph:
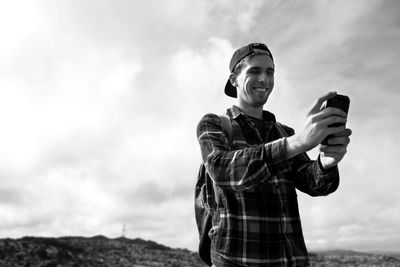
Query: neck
{"points": [[256, 112]]}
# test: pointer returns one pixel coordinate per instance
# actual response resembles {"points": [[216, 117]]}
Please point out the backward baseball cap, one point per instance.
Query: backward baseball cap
{"points": [[239, 54]]}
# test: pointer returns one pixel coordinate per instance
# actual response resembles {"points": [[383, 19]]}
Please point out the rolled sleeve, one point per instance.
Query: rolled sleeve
{"points": [[327, 180], [276, 157], [312, 179]]}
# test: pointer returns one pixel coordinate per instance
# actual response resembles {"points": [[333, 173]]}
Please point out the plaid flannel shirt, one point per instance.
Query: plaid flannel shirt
{"points": [[257, 221]]}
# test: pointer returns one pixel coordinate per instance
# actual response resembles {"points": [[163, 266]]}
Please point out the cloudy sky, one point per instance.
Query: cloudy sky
{"points": [[99, 101]]}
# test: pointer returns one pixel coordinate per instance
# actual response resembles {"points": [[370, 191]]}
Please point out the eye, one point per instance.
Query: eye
{"points": [[254, 71], [270, 73]]}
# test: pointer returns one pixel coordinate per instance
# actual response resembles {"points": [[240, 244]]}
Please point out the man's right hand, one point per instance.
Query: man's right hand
{"points": [[316, 127]]}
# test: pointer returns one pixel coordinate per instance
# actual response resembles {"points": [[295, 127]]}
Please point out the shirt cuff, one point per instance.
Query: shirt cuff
{"points": [[276, 157]]}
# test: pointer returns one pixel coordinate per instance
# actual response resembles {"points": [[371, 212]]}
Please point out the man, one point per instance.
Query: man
{"points": [[256, 170]]}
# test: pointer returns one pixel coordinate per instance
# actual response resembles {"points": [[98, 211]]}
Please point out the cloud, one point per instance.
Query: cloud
{"points": [[9, 197], [73, 111], [102, 100]]}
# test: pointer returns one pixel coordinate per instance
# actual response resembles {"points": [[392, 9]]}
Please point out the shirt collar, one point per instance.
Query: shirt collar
{"points": [[235, 112]]}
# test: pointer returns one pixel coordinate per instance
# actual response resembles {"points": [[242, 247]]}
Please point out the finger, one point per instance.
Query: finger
{"points": [[334, 119], [331, 111], [326, 113], [345, 133], [340, 150], [342, 140], [316, 107], [335, 130]]}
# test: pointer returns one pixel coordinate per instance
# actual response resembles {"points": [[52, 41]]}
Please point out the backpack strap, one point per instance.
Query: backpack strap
{"points": [[281, 129], [227, 126], [206, 198]]}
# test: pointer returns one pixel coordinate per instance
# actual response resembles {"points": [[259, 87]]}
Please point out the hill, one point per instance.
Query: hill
{"points": [[103, 251], [350, 258], [94, 251]]}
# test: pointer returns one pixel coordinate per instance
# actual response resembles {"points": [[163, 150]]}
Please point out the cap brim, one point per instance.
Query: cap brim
{"points": [[230, 90]]}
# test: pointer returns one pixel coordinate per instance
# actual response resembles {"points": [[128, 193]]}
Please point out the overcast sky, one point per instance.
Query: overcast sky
{"points": [[99, 101]]}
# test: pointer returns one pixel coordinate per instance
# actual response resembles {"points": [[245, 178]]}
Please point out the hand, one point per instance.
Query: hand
{"points": [[333, 153], [318, 119], [316, 127]]}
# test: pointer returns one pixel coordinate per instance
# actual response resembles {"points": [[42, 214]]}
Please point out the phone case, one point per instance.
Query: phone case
{"points": [[339, 101]]}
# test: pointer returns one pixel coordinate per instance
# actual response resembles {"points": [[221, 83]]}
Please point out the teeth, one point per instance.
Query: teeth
{"points": [[261, 89]]}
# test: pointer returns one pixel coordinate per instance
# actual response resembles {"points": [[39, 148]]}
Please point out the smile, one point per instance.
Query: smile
{"points": [[261, 89]]}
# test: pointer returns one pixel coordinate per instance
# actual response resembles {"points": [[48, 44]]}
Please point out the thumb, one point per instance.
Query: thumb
{"points": [[316, 107]]}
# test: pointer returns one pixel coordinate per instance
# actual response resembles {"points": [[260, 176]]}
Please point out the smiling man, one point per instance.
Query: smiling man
{"points": [[257, 164]]}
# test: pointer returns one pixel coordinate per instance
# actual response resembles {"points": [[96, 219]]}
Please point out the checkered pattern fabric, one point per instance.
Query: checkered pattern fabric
{"points": [[257, 221]]}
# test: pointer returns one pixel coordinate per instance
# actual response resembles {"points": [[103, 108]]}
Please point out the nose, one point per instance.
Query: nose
{"points": [[263, 78]]}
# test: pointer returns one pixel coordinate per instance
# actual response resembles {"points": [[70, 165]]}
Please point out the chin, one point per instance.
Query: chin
{"points": [[259, 103], [263, 101]]}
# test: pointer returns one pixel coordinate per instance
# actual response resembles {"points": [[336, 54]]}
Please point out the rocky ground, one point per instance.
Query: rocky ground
{"points": [[102, 251], [346, 258], [94, 251]]}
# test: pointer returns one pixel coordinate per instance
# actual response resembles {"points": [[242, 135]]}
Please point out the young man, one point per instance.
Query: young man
{"points": [[256, 170]]}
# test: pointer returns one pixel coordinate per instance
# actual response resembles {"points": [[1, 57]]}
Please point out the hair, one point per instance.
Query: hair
{"points": [[239, 66]]}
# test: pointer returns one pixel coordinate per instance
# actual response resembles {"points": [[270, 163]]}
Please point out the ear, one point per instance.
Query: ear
{"points": [[232, 79]]}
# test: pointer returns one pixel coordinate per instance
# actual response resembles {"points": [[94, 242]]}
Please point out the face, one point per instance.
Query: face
{"points": [[255, 81]]}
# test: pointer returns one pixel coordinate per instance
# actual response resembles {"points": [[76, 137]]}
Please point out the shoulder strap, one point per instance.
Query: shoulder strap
{"points": [[281, 129], [227, 126]]}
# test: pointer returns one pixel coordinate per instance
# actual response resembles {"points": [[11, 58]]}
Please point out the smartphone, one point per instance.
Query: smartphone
{"points": [[339, 101]]}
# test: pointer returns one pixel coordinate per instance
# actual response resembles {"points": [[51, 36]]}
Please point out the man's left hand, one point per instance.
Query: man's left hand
{"points": [[333, 153]]}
